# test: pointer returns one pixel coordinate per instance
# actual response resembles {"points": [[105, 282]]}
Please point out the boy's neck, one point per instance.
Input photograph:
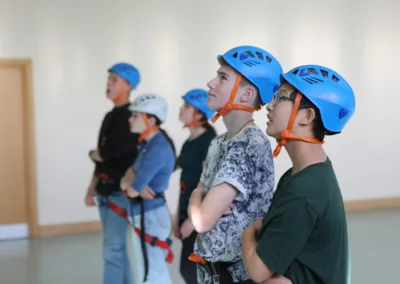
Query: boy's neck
{"points": [[304, 154], [196, 132], [237, 120], [121, 102]]}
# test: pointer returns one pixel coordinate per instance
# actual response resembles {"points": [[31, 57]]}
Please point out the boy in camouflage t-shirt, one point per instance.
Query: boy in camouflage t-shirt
{"points": [[239, 167]]}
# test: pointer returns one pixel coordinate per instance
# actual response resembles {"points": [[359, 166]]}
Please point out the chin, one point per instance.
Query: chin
{"points": [[133, 130], [270, 132], [110, 95], [181, 119], [213, 105]]}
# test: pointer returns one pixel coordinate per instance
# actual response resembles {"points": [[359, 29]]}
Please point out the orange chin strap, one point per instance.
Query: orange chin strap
{"points": [[119, 97], [286, 135], [230, 106], [148, 129], [194, 122]]}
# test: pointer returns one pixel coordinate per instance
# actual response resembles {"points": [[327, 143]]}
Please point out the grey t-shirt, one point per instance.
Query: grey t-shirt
{"points": [[244, 162]]}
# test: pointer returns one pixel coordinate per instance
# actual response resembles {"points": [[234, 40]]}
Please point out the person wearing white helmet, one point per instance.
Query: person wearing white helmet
{"points": [[116, 149], [145, 184], [194, 114], [239, 167], [303, 238]]}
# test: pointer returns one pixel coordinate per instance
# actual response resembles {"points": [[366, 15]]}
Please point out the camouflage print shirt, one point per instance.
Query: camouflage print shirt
{"points": [[244, 162]]}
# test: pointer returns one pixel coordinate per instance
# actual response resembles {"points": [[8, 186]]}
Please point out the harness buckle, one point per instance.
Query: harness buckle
{"points": [[154, 241]]}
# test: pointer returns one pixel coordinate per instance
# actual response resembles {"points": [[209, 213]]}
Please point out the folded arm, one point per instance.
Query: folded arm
{"points": [[205, 212]]}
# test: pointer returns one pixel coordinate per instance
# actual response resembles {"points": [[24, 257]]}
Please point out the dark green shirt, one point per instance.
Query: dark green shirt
{"points": [[304, 235]]}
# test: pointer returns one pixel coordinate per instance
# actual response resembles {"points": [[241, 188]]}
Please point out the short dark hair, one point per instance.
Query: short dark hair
{"points": [[318, 129]]}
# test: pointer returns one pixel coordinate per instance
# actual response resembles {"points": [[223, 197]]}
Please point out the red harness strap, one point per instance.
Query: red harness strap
{"points": [[154, 241]]}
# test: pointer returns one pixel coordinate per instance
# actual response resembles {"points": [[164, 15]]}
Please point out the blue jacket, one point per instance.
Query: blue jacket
{"points": [[154, 167]]}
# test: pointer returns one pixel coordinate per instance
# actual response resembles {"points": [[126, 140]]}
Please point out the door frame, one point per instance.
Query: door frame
{"points": [[29, 142]]}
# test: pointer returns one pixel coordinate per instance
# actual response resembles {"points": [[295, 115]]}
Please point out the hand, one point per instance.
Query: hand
{"points": [[186, 229], [147, 193], [95, 156], [258, 224], [132, 193], [229, 210], [255, 227], [278, 279], [251, 231], [89, 200], [175, 227]]}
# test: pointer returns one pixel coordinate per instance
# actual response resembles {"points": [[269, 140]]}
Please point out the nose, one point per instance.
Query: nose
{"points": [[270, 106], [211, 84]]}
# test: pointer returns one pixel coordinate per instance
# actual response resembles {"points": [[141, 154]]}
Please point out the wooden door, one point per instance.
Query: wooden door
{"points": [[13, 209]]}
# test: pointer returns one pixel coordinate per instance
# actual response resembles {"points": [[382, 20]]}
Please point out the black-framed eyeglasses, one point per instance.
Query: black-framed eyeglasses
{"points": [[277, 97]]}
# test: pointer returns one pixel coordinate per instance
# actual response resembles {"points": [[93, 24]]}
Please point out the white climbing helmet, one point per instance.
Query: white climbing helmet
{"points": [[151, 104]]}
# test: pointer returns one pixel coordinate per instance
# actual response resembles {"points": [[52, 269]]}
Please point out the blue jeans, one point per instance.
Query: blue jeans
{"points": [[116, 262], [158, 223]]}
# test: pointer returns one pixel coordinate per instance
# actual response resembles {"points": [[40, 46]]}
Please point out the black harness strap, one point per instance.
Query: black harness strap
{"points": [[139, 200]]}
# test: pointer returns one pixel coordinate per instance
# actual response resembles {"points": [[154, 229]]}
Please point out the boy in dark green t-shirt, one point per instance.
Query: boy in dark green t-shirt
{"points": [[303, 238]]}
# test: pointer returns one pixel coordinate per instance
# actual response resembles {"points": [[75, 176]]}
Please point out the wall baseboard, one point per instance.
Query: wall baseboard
{"points": [[95, 226], [69, 229], [13, 231], [372, 204]]}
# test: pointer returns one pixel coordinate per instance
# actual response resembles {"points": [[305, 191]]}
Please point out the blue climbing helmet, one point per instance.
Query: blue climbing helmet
{"points": [[198, 98], [328, 91], [256, 65], [128, 72]]}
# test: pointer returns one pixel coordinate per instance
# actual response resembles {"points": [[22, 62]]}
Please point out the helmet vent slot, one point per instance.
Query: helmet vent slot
{"points": [[324, 73], [312, 70], [249, 53]]}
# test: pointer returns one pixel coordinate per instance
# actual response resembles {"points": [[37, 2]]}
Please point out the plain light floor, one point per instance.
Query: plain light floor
{"points": [[374, 243]]}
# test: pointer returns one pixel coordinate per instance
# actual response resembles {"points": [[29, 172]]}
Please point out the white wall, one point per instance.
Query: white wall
{"points": [[175, 44]]}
